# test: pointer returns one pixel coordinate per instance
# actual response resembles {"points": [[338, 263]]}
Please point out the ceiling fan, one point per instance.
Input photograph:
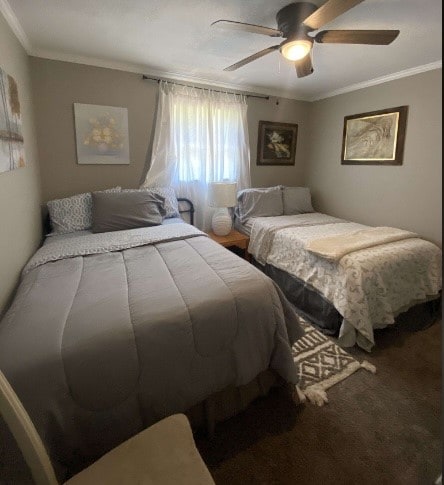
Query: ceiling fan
{"points": [[296, 22]]}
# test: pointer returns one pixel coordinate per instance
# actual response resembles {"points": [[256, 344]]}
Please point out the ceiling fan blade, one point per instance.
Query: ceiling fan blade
{"points": [[255, 29], [249, 59], [374, 37], [329, 11], [304, 66]]}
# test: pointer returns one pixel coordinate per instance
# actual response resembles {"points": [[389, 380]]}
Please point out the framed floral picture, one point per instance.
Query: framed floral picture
{"points": [[276, 143], [375, 138], [101, 134]]}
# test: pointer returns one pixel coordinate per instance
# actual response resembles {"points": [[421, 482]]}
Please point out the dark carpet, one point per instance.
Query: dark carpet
{"points": [[376, 429]]}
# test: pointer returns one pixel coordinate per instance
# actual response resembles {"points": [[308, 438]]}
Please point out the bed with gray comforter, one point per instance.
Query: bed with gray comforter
{"points": [[111, 332]]}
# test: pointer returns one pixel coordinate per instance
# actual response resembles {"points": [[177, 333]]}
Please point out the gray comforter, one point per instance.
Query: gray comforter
{"points": [[110, 333]]}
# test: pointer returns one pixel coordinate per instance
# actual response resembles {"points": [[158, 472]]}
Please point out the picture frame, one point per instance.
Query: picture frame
{"points": [[101, 134], [375, 138], [276, 143], [12, 144]]}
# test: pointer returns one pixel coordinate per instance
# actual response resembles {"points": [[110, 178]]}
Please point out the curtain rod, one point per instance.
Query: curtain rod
{"points": [[147, 78]]}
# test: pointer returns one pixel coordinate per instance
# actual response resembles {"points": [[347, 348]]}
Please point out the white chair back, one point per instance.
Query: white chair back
{"points": [[25, 434]]}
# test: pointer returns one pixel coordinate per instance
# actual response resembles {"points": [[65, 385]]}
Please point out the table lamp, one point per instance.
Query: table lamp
{"points": [[222, 195]]}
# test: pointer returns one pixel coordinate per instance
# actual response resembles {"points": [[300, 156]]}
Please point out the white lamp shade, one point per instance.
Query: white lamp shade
{"points": [[222, 194]]}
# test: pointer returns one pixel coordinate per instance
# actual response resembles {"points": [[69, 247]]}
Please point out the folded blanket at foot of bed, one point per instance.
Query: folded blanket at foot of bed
{"points": [[336, 247]]}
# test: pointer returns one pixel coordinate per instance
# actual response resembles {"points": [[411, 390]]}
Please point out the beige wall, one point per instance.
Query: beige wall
{"points": [[288, 111], [20, 221], [407, 196], [57, 85]]}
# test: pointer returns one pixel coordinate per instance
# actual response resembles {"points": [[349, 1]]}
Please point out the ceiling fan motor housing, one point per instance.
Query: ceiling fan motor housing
{"points": [[289, 20]]}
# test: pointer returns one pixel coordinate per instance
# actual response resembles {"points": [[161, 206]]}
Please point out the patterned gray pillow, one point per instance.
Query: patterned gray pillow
{"points": [[72, 213], [171, 205]]}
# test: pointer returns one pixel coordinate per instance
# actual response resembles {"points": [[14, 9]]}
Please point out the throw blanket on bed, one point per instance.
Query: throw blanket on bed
{"points": [[369, 288], [336, 247], [109, 333]]}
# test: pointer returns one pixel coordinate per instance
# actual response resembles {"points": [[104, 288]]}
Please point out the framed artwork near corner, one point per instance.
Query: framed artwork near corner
{"points": [[375, 138], [12, 146], [101, 134], [276, 143]]}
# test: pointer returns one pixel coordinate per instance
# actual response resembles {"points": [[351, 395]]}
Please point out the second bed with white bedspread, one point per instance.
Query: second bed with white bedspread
{"points": [[368, 287]]}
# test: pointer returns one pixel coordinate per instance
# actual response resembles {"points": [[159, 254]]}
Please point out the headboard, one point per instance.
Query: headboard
{"points": [[189, 208]]}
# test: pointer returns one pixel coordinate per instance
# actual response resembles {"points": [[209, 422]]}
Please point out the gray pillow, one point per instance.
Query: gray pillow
{"points": [[72, 213], [126, 210], [259, 202], [171, 205], [297, 200]]}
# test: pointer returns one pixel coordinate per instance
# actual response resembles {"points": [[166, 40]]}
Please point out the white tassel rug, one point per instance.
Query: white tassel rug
{"points": [[322, 364]]}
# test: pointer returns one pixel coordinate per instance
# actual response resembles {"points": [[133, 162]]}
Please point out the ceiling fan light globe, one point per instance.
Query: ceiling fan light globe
{"points": [[296, 49]]}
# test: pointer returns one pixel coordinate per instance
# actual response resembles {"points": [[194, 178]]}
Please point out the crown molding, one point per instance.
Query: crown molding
{"points": [[168, 75], [380, 80], [13, 22], [246, 89]]}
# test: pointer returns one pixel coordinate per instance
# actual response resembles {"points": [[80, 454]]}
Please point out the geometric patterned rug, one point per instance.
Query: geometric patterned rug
{"points": [[322, 364]]}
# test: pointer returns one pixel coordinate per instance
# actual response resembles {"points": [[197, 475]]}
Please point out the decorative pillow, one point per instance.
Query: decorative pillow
{"points": [[72, 213], [126, 210], [171, 204], [297, 200], [261, 202]]}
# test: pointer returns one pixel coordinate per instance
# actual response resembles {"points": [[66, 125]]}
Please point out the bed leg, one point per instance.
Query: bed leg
{"points": [[210, 416]]}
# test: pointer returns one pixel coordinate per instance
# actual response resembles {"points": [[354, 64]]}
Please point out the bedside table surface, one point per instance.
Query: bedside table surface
{"points": [[235, 238], [230, 239]]}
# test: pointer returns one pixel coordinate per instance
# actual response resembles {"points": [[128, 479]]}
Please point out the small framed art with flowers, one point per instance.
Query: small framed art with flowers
{"points": [[276, 143], [101, 134]]}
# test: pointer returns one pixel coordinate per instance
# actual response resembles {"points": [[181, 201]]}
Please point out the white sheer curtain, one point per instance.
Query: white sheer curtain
{"points": [[201, 136]]}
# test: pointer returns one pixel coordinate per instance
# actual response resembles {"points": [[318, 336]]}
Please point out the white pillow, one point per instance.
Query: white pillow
{"points": [[297, 200], [72, 213]]}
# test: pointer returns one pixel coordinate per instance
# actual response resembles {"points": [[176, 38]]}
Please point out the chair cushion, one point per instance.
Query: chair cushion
{"points": [[164, 453]]}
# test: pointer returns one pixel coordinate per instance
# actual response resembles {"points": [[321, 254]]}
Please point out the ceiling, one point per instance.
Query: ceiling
{"points": [[173, 38]]}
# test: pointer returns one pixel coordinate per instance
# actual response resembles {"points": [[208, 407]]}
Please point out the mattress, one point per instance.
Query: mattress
{"points": [[131, 326], [368, 288]]}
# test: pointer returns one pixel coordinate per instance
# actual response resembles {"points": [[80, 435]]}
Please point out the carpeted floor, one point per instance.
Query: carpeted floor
{"points": [[376, 429]]}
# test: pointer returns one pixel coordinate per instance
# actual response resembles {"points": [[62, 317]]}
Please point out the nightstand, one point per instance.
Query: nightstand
{"points": [[235, 238]]}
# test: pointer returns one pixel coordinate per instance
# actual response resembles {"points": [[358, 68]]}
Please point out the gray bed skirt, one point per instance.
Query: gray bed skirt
{"points": [[232, 400], [203, 418], [309, 302], [323, 315]]}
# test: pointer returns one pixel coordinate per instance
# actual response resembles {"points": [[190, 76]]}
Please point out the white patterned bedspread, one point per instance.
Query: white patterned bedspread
{"points": [[369, 287]]}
